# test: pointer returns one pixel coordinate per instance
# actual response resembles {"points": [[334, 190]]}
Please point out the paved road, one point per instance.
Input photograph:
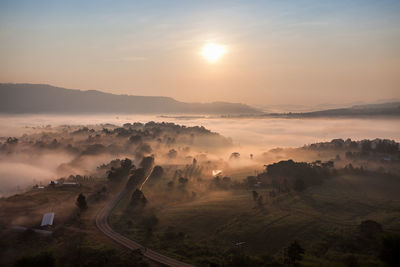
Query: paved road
{"points": [[103, 225]]}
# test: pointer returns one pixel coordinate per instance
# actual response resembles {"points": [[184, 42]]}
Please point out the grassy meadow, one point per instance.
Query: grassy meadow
{"points": [[204, 229]]}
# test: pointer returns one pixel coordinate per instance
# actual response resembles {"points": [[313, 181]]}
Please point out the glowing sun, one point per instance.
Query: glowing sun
{"points": [[212, 52]]}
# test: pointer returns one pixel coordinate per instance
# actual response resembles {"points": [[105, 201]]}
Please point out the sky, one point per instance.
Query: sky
{"points": [[277, 52]]}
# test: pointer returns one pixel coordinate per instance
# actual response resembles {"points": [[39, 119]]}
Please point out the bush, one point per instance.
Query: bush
{"points": [[391, 250], [370, 228], [81, 202], [44, 259]]}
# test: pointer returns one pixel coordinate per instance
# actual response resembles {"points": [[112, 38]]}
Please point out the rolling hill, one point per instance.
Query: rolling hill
{"points": [[42, 98], [382, 109]]}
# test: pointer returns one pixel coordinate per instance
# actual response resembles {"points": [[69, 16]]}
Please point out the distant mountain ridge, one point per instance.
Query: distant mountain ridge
{"points": [[43, 98], [381, 109]]}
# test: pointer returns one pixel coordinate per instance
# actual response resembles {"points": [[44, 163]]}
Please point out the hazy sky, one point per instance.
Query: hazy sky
{"points": [[278, 52]]}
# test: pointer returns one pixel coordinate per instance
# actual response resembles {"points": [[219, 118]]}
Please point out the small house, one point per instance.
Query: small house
{"points": [[47, 219]]}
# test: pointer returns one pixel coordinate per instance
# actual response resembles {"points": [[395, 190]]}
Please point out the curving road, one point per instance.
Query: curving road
{"points": [[103, 225]]}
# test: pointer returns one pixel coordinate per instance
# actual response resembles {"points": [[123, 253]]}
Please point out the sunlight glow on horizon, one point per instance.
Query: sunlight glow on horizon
{"points": [[213, 52]]}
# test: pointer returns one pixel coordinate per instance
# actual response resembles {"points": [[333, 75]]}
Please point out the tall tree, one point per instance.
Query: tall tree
{"points": [[81, 202], [294, 253], [255, 195]]}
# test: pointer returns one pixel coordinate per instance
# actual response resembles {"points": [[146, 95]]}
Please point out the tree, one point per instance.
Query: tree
{"points": [[12, 140], [391, 250], [183, 181], [328, 164], [260, 201], [136, 178], [147, 163], [120, 170], [351, 261], [370, 228], [251, 180], [81, 202], [240, 259], [294, 253], [299, 185], [170, 184], [149, 222], [366, 147], [138, 198], [144, 148], [349, 155], [157, 173], [44, 259], [135, 139], [126, 163], [235, 155], [172, 154], [226, 183], [255, 195], [337, 143]]}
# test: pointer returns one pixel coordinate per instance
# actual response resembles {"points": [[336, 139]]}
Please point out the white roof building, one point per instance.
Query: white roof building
{"points": [[216, 172], [47, 219]]}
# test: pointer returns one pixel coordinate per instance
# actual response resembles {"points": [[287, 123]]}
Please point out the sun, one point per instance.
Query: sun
{"points": [[212, 52]]}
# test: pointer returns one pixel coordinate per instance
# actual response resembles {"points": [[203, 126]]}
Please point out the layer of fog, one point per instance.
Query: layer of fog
{"points": [[261, 134], [250, 136]]}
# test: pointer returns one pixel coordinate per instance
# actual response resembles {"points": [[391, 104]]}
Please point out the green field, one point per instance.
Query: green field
{"points": [[213, 222], [75, 237]]}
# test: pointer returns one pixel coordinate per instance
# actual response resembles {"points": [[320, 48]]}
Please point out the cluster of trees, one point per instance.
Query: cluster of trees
{"points": [[383, 149], [99, 195], [390, 250], [292, 255], [366, 145], [157, 174], [133, 138], [157, 127], [224, 183], [80, 254], [76, 178], [147, 163], [284, 176], [120, 169], [83, 130], [258, 198], [9, 143], [139, 175], [43, 259], [182, 177], [172, 153], [190, 171], [368, 238], [171, 234], [149, 222], [163, 132], [115, 163], [138, 199]]}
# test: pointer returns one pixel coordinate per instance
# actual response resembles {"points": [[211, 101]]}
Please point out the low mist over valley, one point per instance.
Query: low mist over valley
{"points": [[179, 179], [220, 188]]}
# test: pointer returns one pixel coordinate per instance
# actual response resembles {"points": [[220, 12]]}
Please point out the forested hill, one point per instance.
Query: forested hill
{"points": [[42, 98], [384, 109]]}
